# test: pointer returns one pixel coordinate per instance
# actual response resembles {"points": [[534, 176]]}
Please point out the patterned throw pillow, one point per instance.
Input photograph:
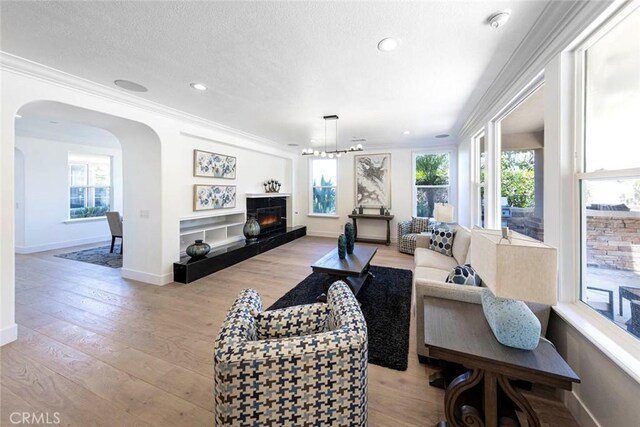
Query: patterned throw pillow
{"points": [[419, 224], [464, 275], [442, 241]]}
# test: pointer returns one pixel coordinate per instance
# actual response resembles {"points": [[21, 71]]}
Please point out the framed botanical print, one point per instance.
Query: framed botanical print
{"points": [[373, 180], [213, 165], [207, 197]]}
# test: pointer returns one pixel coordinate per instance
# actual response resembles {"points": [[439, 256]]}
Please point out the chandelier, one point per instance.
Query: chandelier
{"points": [[332, 153]]}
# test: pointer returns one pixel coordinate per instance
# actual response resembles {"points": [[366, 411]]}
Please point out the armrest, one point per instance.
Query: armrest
{"points": [[404, 227], [292, 321], [432, 288]]}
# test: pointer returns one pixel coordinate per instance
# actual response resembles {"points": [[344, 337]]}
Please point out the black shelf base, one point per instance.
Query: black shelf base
{"points": [[188, 270]]}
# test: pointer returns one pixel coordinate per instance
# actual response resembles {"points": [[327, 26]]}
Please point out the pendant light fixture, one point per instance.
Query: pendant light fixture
{"points": [[333, 153]]}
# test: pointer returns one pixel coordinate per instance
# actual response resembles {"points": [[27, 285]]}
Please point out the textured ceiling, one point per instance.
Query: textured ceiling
{"points": [[275, 68]]}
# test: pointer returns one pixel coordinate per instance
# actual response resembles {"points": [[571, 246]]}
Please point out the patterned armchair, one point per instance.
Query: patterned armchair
{"points": [[409, 230], [303, 365]]}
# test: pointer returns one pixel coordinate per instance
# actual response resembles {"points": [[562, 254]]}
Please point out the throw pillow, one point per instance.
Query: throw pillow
{"points": [[464, 275], [419, 224], [442, 241]]}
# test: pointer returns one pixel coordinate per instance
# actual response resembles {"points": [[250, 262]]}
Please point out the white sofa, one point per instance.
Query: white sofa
{"points": [[430, 275]]}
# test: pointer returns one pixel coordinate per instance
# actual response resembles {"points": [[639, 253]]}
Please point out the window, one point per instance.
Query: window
{"points": [[431, 182], [89, 185], [609, 179], [480, 178], [324, 178]]}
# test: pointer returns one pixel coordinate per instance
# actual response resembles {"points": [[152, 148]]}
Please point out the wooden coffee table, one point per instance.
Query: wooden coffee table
{"points": [[353, 269]]}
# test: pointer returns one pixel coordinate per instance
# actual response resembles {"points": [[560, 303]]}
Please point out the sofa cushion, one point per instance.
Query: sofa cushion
{"points": [[461, 244], [419, 224], [428, 258], [430, 274], [464, 275], [442, 241]]}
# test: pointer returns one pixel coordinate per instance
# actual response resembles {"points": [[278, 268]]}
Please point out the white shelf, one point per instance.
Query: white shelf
{"points": [[216, 229], [257, 195]]}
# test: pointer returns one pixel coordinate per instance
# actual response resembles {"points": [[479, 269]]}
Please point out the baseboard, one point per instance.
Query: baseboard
{"points": [[579, 411], [61, 245], [8, 335], [152, 279]]}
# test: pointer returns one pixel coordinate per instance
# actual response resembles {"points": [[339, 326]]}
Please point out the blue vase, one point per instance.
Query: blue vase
{"points": [[198, 250], [251, 229], [342, 247], [349, 234]]}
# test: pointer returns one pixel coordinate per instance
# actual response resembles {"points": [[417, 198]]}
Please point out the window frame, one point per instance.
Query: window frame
{"points": [[477, 183], [87, 187], [451, 187], [311, 187]]}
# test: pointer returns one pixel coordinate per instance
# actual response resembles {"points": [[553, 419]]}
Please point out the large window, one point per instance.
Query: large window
{"points": [[324, 179], [609, 180], [89, 185], [431, 182]]}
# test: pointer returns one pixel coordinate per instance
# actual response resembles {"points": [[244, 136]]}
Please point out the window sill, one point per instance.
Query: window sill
{"points": [[618, 345], [323, 216], [80, 220]]}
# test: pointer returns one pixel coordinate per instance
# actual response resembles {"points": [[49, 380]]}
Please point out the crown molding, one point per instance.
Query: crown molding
{"points": [[559, 24], [24, 67]]}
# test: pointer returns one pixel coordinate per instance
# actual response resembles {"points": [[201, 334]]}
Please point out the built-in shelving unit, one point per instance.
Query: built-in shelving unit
{"points": [[216, 229]]}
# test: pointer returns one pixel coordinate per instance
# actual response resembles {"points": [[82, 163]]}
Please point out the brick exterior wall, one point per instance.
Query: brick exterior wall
{"points": [[613, 240], [523, 221]]}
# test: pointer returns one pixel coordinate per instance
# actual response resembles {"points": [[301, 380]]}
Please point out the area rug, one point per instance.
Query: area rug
{"points": [[386, 304], [99, 256]]}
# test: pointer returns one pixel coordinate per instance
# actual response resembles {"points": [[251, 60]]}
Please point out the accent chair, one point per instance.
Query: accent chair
{"points": [[408, 232], [115, 225], [304, 365]]}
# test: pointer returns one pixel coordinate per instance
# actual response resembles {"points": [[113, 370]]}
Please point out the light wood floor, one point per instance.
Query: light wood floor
{"points": [[101, 350]]}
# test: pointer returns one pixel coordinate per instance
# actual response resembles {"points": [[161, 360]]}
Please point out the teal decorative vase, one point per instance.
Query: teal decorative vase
{"points": [[251, 229], [350, 236], [342, 247], [198, 250]]}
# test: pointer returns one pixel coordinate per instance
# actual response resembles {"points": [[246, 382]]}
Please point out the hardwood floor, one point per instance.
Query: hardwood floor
{"points": [[101, 350]]}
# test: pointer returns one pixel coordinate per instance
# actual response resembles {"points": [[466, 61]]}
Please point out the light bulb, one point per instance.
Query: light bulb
{"points": [[304, 151], [331, 155], [323, 154], [359, 146], [338, 155], [315, 153], [352, 148]]}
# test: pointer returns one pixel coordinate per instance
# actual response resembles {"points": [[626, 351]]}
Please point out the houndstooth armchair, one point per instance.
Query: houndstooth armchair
{"points": [[408, 232], [304, 365]]}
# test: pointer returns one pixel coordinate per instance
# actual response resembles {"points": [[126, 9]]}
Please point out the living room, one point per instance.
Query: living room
{"points": [[443, 89]]}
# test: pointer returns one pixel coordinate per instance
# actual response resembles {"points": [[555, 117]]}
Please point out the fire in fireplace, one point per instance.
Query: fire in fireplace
{"points": [[268, 220]]}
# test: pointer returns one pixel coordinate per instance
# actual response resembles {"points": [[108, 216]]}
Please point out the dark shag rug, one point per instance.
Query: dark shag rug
{"points": [[99, 256], [386, 304]]}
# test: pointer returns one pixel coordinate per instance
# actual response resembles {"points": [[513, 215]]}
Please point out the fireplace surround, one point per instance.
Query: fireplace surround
{"points": [[270, 212]]}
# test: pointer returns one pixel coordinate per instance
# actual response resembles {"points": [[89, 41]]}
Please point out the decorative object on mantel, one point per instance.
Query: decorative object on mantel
{"points": [[373, 180], [354, 211], [213, 165], [251, 229], [198, 249], [333, 153], [360, 210], [381, 210], [272, 186], [514, 267], [342, 247], [207, 197], [386, 212], [350, 235]]}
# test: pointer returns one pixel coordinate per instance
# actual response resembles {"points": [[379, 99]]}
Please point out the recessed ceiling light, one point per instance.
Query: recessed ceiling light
{"points": [[53, 122], [406, 132], [198, 86], [498, 19], [131, 86], [388, 44], [443, 135], [292, 145], [18, 116]]}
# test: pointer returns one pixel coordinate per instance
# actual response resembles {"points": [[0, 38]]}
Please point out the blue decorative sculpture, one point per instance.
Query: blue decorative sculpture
{"points": [[349, 234], [342, 246]]}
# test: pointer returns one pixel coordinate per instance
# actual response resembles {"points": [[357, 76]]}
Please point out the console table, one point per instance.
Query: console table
{"points": [[387, 218], [458, 333]]}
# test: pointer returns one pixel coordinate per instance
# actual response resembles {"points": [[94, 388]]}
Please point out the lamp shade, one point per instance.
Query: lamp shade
{"points": [[443, 212], [520, 268]]}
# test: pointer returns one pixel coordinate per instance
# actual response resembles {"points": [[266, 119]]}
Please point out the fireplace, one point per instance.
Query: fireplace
{"points": [[270, 212]]}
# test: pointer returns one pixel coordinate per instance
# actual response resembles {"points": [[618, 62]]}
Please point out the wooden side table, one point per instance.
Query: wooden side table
{"points": [[387, 218], [458, 332]]}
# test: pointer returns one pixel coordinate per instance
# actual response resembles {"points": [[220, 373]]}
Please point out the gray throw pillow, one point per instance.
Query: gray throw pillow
{"points": [[442, 241]]}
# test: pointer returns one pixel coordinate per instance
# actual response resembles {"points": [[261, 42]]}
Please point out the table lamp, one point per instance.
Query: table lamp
{"points": [[443, 213], [515, 268]]}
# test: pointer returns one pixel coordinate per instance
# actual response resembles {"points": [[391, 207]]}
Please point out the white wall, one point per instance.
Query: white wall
{"points": [[401, 193], [19, 197], [43, 196]]}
